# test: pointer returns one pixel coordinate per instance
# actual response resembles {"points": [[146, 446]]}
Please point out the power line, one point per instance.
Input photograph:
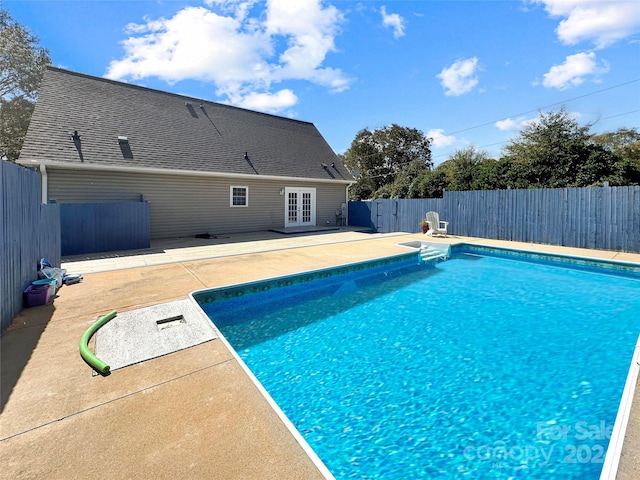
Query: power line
{"points": [[501, 143], [507, 141], [543, 108], [525, 113], [479, 147], [531, 111], [618, 115]]}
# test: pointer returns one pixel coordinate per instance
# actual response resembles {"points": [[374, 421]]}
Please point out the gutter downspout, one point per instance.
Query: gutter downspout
{"points": [[45, 184]]}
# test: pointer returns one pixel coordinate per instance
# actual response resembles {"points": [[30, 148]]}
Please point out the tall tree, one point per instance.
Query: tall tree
{"points": [[555, 151], [429, 184], [462, 168], [22, 66], [624, 143], [491, 174], [388, 159]]}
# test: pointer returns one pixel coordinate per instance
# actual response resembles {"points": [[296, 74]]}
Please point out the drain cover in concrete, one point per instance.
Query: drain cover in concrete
{"points": [[139, 335]]}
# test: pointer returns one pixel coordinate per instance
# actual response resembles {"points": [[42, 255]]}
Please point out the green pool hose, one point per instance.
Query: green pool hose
{"points": [[97, 364]]}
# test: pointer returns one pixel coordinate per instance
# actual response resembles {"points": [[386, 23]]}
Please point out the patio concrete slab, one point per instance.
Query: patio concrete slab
{"points": [[194, 413]]}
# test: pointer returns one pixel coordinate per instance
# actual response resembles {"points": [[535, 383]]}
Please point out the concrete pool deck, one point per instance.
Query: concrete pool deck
{"points": [[191, 414]]}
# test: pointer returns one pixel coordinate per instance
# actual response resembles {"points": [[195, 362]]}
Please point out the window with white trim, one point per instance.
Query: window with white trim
{"points": [[238, 196]]}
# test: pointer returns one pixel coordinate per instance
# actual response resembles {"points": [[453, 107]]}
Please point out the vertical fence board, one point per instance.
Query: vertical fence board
{"points": [[104, 227], [602, 218], [28, 232]]}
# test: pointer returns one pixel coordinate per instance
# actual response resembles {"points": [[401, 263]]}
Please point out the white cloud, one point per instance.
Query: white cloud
{"points": [[237, 51], [459, 78], [393, 20], [574, 71], [509, 124], [439, 138], [603, 22], [310, 30], [188, 46], [268, 102]]}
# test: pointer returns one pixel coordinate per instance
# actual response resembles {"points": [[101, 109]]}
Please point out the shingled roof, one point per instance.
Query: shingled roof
{"points": [[167, 131]]}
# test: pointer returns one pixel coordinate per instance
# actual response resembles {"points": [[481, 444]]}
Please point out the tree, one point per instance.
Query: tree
{"points": [[22, 66], [491, 174], [462, 168], [388, 159], [429, 184], [624, 143], [555, 151]]}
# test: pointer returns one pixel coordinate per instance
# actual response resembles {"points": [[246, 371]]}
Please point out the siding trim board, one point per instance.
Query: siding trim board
{"points": [[165, 171]]}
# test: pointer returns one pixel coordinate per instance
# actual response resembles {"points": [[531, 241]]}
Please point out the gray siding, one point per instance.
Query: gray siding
{"points": [[185, 205]]}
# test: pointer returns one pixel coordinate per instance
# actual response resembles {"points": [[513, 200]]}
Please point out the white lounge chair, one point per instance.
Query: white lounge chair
{"points": [[436, 226]]}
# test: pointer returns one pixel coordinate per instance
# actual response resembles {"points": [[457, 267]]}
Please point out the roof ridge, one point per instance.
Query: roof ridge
{"points": [[164, 92]]}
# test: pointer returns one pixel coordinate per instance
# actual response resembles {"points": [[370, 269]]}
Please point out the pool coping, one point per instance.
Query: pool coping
{"points": [[614, 450], [612, 457]]}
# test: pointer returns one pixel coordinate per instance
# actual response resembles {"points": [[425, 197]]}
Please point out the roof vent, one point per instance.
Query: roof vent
{"points": [[125, 147]]}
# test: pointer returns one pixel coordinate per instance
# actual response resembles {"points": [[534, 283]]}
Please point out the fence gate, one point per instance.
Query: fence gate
{"points": [[386, 216]]}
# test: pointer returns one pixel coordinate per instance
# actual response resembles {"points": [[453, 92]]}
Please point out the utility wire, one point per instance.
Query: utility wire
{"points": [[543, 108], [507, 141], [491, 144], [618, 115], [520, 114]]}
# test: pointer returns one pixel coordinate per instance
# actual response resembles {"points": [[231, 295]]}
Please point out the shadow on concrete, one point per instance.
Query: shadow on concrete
{"points": [[18, 342], [113, 254], [161, 245]]}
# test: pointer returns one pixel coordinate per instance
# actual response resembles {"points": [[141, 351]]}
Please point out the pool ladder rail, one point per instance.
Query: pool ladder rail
{"points": [[432, 255]]}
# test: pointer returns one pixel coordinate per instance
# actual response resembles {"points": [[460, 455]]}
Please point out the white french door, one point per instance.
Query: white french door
{"points": [[300, 207]]}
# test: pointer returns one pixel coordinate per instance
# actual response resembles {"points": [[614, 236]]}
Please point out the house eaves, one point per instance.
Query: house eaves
{"points": [[166, 171]]}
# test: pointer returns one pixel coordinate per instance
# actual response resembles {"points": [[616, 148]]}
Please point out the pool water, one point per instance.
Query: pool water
{"points": [[477, 367]]}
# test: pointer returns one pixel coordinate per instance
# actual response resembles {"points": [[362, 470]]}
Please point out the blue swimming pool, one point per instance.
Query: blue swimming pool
{"points": [[493, 364]]}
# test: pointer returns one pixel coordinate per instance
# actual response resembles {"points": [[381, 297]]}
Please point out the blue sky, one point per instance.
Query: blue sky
{"points": [[463, 72]]}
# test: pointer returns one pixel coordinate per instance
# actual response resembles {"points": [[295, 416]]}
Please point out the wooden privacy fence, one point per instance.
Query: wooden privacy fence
{"points": [[29, 231], [104, 227], [603, 218]]}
